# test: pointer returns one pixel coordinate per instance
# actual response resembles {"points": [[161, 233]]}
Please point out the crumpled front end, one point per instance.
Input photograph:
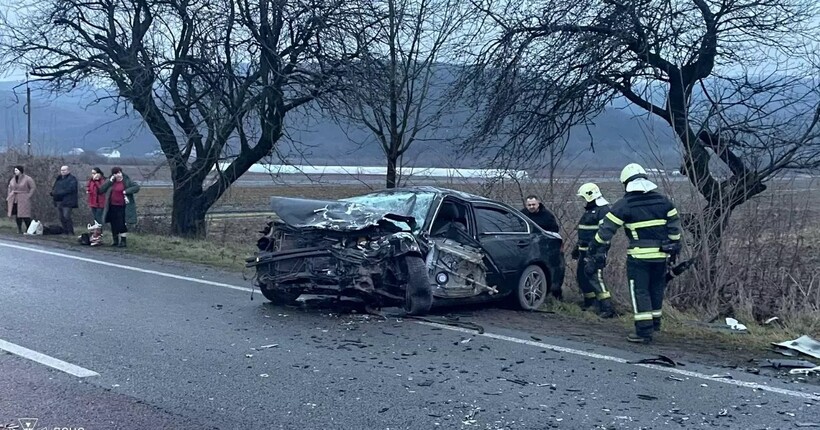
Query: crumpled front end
{"points": [[319, 261], [458, 270]]}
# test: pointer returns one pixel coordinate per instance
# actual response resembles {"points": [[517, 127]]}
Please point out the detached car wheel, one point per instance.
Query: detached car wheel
{"points": [[418, 293], [532, 288], [278, 296]]}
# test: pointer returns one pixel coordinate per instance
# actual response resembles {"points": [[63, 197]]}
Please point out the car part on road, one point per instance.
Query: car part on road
{"points": [[803, 344], [785, 364], [660, 360]]}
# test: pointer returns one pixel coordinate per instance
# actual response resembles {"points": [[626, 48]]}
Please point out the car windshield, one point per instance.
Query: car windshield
{"points": [[399, 203]]}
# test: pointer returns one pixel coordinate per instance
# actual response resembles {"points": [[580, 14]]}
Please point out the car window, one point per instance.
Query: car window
{"points": [[497, 220]]}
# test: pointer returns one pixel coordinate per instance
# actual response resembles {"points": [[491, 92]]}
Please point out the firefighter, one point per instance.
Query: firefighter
{"points": [[592, 287], [652, 226]]}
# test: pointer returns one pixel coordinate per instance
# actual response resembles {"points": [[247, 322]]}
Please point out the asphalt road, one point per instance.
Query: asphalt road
{"points": [[175, 347]]}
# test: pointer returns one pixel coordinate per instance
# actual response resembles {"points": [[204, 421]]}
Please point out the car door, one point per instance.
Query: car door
{"points": [[505, 236]]}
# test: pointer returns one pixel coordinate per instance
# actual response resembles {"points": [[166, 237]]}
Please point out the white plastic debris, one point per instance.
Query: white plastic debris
{"points": [[735, 324]]}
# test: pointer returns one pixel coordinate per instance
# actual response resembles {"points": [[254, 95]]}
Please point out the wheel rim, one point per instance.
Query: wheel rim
{"points": [[534, 288]]}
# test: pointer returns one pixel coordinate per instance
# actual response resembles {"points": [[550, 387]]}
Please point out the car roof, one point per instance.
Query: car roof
{"points": [[440, 191]]}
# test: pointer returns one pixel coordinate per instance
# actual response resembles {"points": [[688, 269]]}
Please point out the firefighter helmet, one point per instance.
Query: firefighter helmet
{"points": [[634, 178], [632, 171], [589, 192]]}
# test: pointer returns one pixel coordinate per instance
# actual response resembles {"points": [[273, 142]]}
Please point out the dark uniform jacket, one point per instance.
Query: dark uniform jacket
{"points": [[649, 219], [543, 217], [588, 225]]}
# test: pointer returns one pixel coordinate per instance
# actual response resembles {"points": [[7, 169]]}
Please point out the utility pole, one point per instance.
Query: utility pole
{"points": [[27, 110]]}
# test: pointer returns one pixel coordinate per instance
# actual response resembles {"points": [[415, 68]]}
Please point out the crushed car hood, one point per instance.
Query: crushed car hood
{"points": [[333, 215]]}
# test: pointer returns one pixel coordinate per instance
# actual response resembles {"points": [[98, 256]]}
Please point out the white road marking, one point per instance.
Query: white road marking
{"points": [[131, 268], [753, 385], [49, 361]]}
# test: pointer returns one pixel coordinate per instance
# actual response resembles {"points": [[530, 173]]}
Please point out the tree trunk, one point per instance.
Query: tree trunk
{"points": [[391, 181], [188, 212]]}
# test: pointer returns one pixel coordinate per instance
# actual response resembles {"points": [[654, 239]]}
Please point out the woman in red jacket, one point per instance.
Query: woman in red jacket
{"points": [[96, 201]]}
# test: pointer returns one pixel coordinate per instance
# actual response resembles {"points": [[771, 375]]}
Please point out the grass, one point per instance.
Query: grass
{"points": [[227, 256]]}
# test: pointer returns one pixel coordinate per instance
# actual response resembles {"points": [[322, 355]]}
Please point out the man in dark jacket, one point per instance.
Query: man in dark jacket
{"points": [[65, 194], [535, 210]]}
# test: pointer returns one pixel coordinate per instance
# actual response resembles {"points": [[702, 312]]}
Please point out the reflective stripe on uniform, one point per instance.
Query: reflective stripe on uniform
{"points": [[583, 248], [645, 224], [599, 240], [643, 316], [674, 237], [589, 295], [587, 227], [646, 253], [657, 314], [600, 274], [605, 295], [632, 293], [614, 218], [672, 213]]}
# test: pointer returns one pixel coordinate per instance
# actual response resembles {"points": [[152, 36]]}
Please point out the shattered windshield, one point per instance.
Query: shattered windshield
{"points": [[400, 203]]}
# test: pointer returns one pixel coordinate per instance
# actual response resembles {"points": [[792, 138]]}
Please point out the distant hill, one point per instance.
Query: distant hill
{"points": [[69, 121]]}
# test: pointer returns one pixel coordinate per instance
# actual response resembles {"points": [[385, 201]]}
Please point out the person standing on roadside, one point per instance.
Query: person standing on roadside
{"points": [[65, 195], [593, 287], [21, 188], [120, 205], [96, 200], [653, 229], [536, 211]]}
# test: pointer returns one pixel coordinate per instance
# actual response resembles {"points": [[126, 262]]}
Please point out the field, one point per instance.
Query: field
{"points": [[769, 264]]}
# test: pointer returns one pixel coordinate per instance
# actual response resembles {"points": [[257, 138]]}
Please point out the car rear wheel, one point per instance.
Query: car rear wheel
{"points": [[532, 288], [418, 293], [278, 296]]}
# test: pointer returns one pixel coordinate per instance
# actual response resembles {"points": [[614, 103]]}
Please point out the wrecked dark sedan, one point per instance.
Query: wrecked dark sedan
{"points": [[414, 247]]}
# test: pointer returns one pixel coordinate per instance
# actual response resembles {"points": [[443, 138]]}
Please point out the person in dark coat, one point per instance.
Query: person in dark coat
{"points": [[536, 211], [65, 195]]}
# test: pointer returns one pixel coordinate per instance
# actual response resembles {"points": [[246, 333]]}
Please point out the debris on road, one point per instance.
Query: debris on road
{"points": [[788, 364], [816, 425], [660, 360], [646, 397], [724, 376], [803, 344], [805, 371], [264, 375]]}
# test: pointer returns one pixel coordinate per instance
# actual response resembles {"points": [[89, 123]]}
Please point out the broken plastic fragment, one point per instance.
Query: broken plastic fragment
{"points": [[735, 324], [803, 344]]}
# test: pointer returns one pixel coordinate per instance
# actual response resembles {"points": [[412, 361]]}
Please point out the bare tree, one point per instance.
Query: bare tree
{"points": [[728, 76], [212, 79], [397, 89]]}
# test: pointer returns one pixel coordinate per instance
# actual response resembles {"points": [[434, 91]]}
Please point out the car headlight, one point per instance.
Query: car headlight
{"points": [[442, 278]]}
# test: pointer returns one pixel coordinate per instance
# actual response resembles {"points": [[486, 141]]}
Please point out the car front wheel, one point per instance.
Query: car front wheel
{"points": [[532, 288], [278, 296], [418, 293]]}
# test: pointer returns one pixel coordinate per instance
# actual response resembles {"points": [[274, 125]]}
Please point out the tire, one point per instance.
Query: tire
{"points": [[278, 296], [418, 293], [532, 290]]}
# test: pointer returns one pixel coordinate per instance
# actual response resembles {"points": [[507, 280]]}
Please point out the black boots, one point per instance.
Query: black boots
{"points": [[634, 338], [605, 309]]}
